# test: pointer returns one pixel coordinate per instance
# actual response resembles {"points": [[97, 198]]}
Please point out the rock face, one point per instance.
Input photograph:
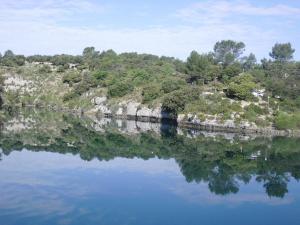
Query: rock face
{"points": [[17, 83], [99, 100], [133, 110], [129, 110]]}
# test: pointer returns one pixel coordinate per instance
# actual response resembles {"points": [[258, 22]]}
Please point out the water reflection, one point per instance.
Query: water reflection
{"points": [[223, 162], [61, 169]]}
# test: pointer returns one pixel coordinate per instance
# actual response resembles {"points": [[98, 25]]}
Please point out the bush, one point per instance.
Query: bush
{"points": [[231, 71], [72, 77], [257, 109], [69, 96], [171, 85], [150, 93], [63, 68], [175, 101], [45, 69], [120, 89], [240, 87], [100, 75], [287, 121]]}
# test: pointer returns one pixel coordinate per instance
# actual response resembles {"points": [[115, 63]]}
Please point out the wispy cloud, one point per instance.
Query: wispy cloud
{"points": [[66, 26], [46, 11], [216, 11]]}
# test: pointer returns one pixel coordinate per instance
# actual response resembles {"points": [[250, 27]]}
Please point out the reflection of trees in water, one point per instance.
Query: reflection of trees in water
{"points": [[275, 184], [220, 163]]}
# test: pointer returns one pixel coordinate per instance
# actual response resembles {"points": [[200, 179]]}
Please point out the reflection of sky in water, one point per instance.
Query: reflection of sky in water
{"points": [[51, 188]]}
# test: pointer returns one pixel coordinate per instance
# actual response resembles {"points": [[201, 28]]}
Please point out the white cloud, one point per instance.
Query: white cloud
{"points": [[33, 38], [46, 11], [28, 27], [216, 11]]}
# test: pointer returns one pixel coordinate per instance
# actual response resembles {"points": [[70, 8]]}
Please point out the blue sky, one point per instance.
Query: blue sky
{"points": [[172, 28]]}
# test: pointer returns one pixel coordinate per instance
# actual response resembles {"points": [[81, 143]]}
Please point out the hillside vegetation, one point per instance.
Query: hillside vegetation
{"points": [[221, 85]]}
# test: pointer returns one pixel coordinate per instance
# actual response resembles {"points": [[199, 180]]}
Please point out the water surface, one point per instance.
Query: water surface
{"points": [[60, 169]]}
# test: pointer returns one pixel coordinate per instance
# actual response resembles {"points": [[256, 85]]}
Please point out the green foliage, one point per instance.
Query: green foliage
{"points": [[227, 51], [282, 52], [256, 109], [248, 62], [72, 77], [252, 113], [287, 121], [169, 85], [10, 59], [151, 93], [119, 89], [231, 71], [45, 69], [100, 75], [240, 87], [176, 101], [69, 96], [198, 66]]}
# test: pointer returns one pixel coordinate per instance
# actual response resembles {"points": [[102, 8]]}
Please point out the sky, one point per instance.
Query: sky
{"points": [[161, 27]]}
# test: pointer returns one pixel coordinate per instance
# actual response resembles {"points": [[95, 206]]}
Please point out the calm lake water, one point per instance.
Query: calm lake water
{"points": [[60, 169]]}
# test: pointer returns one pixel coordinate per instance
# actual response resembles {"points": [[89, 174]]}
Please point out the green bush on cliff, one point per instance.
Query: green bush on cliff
{"points": [[120, 89], [287, 121], [169, 85], [150, 93], [240, 87], [72, 77], [176, 101]]}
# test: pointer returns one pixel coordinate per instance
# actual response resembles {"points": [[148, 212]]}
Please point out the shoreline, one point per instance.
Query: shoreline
{"points": [[181, 124]]}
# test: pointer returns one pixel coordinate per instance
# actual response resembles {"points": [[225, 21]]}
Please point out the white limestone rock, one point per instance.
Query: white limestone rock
{"points": [[99, 100], [132, 108]]}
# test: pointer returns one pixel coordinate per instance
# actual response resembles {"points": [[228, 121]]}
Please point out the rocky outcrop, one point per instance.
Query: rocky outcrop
{"points": [[128, 110], [135, 111]]}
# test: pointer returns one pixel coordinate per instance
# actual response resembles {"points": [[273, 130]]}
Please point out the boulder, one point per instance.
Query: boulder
{"points": [[119, 111], [144, 112], [180, 118], [99, 100], [132, 108], [104, 109]]}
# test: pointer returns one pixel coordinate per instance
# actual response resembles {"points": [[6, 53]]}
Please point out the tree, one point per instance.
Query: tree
{"points": [[282, 52], [231, 71], [8, 54], [227, 51], [198, 66], [248, 62], [241, 86], [90, 56]]}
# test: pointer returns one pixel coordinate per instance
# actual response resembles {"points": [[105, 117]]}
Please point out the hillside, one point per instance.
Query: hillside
{"points": [[222, 89]]}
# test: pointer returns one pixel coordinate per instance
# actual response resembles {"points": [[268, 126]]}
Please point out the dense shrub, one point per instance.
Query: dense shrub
{"points": [[231, 71], [150, 93], [175, 101], [240, 87], [100, 75], [120, 89], [287, 121], [45, 69], [171, 85], [72, 77], [69, 96], [257, 109]]}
